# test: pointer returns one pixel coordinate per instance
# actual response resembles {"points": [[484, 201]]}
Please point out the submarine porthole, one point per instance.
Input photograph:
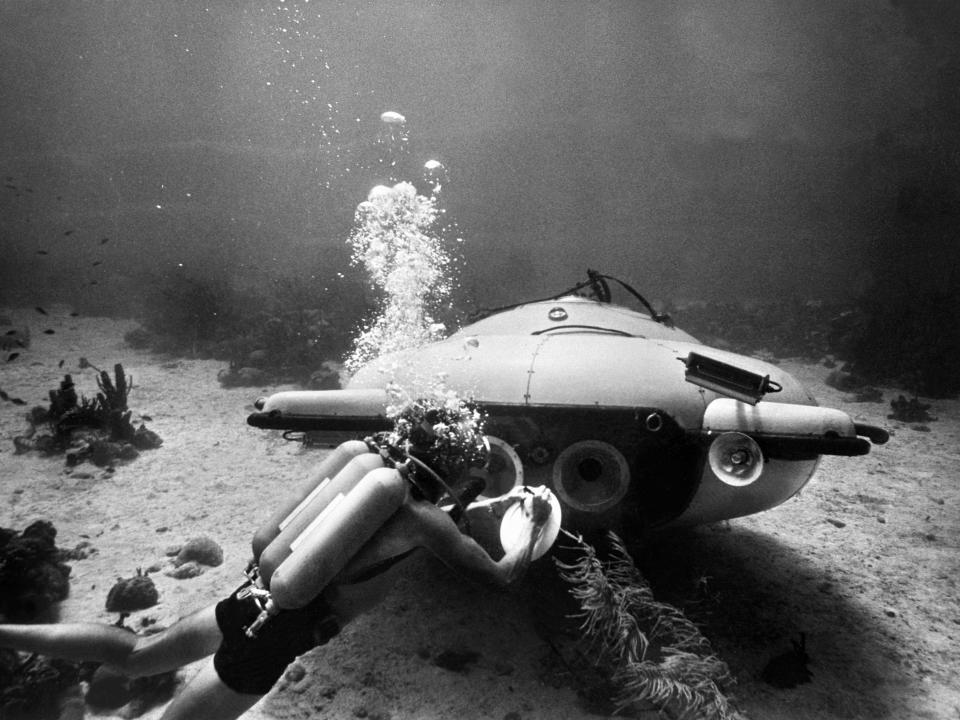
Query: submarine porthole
{"points": [[503, 471], [591, 476], [590, 469]]}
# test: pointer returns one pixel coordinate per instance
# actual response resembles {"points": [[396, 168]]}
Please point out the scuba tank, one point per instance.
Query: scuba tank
{"points": [[310, 508], [331, 465], [330, 542]]}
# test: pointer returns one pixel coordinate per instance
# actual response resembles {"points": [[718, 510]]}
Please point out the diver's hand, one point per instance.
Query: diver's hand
{"points": [[522, 532], [536, 506]]}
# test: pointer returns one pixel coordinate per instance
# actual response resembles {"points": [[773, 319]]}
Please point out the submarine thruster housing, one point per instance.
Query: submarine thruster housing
{"points": [[624, 416]]}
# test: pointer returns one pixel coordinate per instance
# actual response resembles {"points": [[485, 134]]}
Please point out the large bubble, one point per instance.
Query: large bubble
{"points": [[393, 140], [435, 174], [393, 118]]}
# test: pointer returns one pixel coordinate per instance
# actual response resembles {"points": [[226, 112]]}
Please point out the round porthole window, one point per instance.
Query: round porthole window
{"points": [[591, 476], [557, 314]]}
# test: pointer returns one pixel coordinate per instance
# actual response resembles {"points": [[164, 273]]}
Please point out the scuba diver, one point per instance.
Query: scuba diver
{"points": [[254, 636]]}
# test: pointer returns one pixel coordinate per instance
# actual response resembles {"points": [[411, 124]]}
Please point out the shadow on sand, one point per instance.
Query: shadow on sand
{"points": [[752, 595]]}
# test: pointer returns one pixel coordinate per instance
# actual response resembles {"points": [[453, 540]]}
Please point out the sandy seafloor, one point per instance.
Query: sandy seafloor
{"points": [[864, 561]]}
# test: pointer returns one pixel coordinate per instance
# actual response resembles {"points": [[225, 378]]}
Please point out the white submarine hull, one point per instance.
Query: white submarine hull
{"points": [[617, 413]]}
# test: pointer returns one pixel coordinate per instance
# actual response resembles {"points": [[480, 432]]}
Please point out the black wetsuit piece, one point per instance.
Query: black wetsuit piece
{"points": [[252, 665]]}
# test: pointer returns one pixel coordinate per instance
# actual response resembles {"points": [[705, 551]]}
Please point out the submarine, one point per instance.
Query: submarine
{"points": [[623, 415]]}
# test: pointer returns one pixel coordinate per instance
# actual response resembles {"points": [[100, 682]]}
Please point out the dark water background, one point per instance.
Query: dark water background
{"points": [[761, 150]]}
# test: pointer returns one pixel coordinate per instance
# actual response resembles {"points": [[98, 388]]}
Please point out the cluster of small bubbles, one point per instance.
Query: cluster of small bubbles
{"points": [[298, 83], [394, 239]]}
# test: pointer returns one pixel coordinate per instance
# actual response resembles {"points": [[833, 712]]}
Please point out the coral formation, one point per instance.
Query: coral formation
{"points": [[133, 593], [268, 332], [910, 411], [912, 343], [202, 550], [785, 328], [32, 574], [99, 430], [189, 569], [33, 687], [911, 340]]}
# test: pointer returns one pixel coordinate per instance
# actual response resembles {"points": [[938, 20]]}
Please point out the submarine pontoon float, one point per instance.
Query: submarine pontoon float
{"points": [[624, 416]]}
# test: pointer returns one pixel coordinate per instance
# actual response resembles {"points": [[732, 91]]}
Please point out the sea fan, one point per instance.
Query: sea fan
{"points": [[654, 654]]}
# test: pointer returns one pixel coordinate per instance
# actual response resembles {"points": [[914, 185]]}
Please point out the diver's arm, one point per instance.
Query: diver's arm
{"points": [[440, 535]]}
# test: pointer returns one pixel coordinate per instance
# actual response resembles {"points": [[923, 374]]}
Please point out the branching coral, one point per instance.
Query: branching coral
{"points": [[113, 395], [107, 411], [99, 429], [654, 653]]}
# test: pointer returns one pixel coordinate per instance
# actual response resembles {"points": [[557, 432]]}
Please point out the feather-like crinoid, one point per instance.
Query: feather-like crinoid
{"points": [[655, 655]]}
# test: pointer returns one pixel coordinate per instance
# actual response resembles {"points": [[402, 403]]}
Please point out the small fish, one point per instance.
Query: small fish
{"points": [[96, 263], [48, 332], [4, 396], [94, 282], [10, 187], [147, 418], [12, 356], [104, 241], [42, 252], [74, 314], [69, 232], [30, 190], [18, 401], [60, 364], [12, 332], [40, 310]]}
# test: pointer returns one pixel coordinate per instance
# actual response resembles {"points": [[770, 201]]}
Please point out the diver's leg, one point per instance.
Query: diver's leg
{"points": [[187, 640], [206, 697], [70, 641]]}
